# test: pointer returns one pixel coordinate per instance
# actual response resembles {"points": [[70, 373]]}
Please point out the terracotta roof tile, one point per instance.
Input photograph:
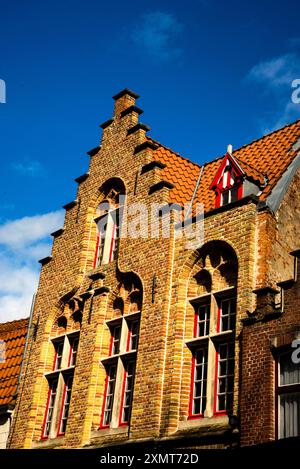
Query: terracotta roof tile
{"points": [[12, 342], [268, 156]]}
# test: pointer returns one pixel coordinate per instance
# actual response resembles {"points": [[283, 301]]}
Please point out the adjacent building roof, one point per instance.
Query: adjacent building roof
{"points": [[12, 343], [264, 161]]}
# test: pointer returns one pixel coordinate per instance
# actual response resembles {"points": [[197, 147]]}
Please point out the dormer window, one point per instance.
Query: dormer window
{"points": [[228, 182]]}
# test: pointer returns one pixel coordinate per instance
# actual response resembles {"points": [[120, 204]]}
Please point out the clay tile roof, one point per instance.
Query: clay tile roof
{"points": [[269, 157], [12, 342]]}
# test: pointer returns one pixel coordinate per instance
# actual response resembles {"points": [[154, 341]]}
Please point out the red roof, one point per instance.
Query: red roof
{"points": [[269, 157], [12, 343]]}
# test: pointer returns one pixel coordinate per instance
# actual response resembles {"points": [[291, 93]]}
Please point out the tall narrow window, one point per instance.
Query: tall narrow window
{"points": [[60, 381], [50, 408], [65, 404], [115, 339], [225, 377], [202, 317], [108, 220], [227, 314], [133, 335], [109, 395], [288, 392], [127, 392], [199, 383]]}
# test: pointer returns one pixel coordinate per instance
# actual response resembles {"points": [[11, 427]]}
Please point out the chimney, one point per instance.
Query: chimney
{"points": [[124, 100]]}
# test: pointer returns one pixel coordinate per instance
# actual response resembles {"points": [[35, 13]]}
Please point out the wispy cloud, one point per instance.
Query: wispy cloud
{"points": [[22, 243], [28, 167], [157, 34], [277, 71], [275, 77]]}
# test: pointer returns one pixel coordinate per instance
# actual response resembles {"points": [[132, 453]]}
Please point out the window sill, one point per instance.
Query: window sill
{"points": [[48, 443], [205, 425], [107, 431]]}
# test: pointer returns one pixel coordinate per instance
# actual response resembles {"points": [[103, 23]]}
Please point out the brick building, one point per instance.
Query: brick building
{"points": [[164, 337], [12, 343]]}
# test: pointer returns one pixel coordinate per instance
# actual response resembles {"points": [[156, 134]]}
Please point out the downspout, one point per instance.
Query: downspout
{"points": [[195, 192], [26, 343]]}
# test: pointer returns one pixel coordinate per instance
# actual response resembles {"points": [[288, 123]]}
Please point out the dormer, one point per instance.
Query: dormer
{"points": [[228, 182]]}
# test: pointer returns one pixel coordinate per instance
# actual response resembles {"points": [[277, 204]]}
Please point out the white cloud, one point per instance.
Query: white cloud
{"points": [[275, 77], [27, 230], [277, 71], [22, 243], [157, 33]]}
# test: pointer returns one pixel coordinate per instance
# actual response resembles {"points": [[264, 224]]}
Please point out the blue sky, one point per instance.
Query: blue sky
{"points": [[209, 73]]}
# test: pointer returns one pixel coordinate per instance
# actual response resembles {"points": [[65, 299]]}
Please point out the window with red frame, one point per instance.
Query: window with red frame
{"points": [[115, 339], [199, 382], [214, 325], [224, 377], [59, 346], [65, 404], [101, 235], [133, 335], [127, 392], [109, 394], [202, 319], [60, 386], [50, 407], [74, 341], [108, 234], [120, 367], [227, 314]]}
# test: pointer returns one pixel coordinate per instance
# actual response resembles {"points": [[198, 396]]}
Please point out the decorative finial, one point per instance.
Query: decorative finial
{"points": [[229, 149]]}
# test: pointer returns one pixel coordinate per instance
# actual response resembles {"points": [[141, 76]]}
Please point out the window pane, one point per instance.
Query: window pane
{"points": [[289, 371], [74, 341], [116, 335], [228, 314], [50, 407], [133, 334], [59, 346], [110, 390], [66, 403], [199, 383], [128, 392], [202, 318], [234, 194], [289, 406], [225, 198], [225, 379]]}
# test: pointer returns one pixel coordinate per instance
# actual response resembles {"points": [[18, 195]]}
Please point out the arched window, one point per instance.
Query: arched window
{"points": [[108, 220], [213, 297]]}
